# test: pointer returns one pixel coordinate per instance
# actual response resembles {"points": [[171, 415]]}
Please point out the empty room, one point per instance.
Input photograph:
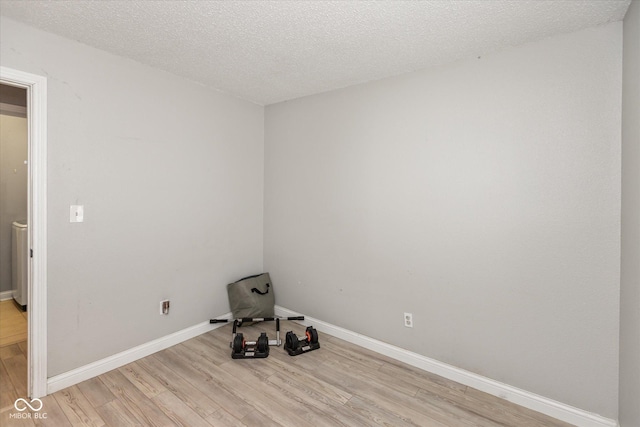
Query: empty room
{"points": [[320, 213]]}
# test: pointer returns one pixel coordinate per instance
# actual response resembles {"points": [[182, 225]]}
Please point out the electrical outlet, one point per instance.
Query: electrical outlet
{"points": [[408, 320], [164, 307]]}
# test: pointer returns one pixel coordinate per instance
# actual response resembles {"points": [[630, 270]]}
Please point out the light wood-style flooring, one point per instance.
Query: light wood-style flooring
{"points": [[13, 323], [13, 356], [196, 383]]}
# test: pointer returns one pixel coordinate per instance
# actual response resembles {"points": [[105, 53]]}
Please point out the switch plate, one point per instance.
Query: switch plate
{"points": [[76, 213]]}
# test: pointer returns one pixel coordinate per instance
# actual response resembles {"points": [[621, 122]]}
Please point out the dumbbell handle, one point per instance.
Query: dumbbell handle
{"points": [[277, 343], [271, 342]]}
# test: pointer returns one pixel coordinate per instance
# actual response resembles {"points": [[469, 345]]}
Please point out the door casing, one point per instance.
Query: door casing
{"points": [[37, 219]]}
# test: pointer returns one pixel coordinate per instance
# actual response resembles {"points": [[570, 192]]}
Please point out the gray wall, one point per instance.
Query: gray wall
{"points": [[171, 177], [482, 196], [630, 281], [13, 187]]}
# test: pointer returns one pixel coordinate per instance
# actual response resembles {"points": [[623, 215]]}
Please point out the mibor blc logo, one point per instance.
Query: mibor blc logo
{"points": [[22, 405]]}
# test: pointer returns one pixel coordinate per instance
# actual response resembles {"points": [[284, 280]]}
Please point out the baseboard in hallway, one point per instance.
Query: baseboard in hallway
{"points": [[6, 295]]}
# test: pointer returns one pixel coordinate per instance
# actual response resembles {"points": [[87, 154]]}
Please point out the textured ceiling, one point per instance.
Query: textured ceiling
{"points": [[270, 51]]}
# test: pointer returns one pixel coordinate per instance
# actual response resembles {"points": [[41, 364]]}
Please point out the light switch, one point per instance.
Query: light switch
{"points": [[76, 213]]}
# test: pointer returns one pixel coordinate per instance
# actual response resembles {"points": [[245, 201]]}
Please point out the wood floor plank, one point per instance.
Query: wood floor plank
{"points": [[375, 374], [256, 395], [134, 400], [216, 350], [142, 379], [494, 412], [222, 418], [422, 379], [505, 406], [8, 339], [278, 400], [333, 413], [8, 391], [205, 350], [7, 399], [16, 367], [23, 346], [178, 411], [176, 384], [13, 324], [55, 414], [13, 363], [370, 390], [96, 392], [377, 415], [322, 390], [115, 413], [9, 351], [256, 418], [5, 380], [448, 413], [77, 408], [220, 392], [354, 354], [6, 420], [9, 310]]}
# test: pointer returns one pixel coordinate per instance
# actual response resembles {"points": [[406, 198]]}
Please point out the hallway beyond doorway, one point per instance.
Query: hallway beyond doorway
{"points": [[13, 354], [13, 324]]}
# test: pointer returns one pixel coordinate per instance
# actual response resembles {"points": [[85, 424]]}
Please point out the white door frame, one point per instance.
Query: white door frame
{"points": [[37, 219]]}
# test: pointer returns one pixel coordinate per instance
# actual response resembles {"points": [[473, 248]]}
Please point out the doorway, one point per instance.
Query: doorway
{"points": [[34, 87], [14, 249]]}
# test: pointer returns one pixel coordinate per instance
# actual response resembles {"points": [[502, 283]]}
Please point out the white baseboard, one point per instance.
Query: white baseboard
{"points": [[524, 398], [6, 295], [107, 364]]}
